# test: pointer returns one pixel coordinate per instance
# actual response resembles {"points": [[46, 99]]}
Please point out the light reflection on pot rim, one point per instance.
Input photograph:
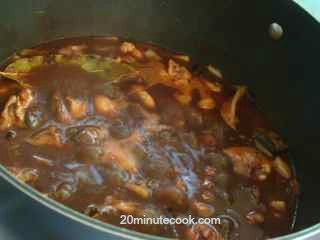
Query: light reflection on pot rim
{"points": [[310, 233]]}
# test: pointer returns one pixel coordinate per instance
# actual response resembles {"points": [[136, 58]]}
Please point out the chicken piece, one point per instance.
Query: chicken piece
{"points": [[136, 209], [207, 103], [130, 48], [278, 206], [152, 55], [154, 73], [26, 175], [60, 110], [229, 108], [15, 109], [73, 50], [8, 115], [202, 232], [249, 162], [77, 108], [179, 78], [254, 217], [129, 207], [62, 192], [126, 207], [127, 47], [50, 136], [180, 75], [123, 157], [202, 209], [182, 98], [176, 76], [144, 97], [140, 190], [105, 106]]}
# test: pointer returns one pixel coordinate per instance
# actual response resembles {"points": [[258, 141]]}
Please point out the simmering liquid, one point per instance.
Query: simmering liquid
{"points": [[110, 128]]}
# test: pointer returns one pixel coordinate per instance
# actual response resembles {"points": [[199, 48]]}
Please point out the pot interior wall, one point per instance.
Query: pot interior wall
{"points": [[232, 34]]}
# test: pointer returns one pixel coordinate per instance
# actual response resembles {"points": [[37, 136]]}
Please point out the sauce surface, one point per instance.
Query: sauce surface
{"points": [[109, 128]]}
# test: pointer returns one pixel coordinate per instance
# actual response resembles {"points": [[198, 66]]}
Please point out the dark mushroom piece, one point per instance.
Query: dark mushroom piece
{"points": [[92, 211], [87, 135], [60, 109], [33, 117], [119, 129], [269, 142]]}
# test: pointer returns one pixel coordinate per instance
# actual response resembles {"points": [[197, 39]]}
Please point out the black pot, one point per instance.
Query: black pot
{"points": [[232, 34]]}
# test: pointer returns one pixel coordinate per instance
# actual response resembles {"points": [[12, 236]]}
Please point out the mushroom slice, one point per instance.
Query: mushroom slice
{"points": [[229, 108]]}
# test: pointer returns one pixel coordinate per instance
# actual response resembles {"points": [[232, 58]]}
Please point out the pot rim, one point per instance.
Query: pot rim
{"points": [[112, 229]]}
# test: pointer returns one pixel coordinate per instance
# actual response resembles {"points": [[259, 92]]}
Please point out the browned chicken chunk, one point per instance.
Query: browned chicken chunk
{"points": [[15, 109]]}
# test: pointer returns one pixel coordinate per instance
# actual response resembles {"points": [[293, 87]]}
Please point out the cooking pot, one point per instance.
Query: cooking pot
{"points": [[232, 34]]}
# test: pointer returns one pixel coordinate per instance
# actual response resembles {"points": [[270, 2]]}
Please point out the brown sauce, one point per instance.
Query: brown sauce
{"points": [[108, 128]]}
